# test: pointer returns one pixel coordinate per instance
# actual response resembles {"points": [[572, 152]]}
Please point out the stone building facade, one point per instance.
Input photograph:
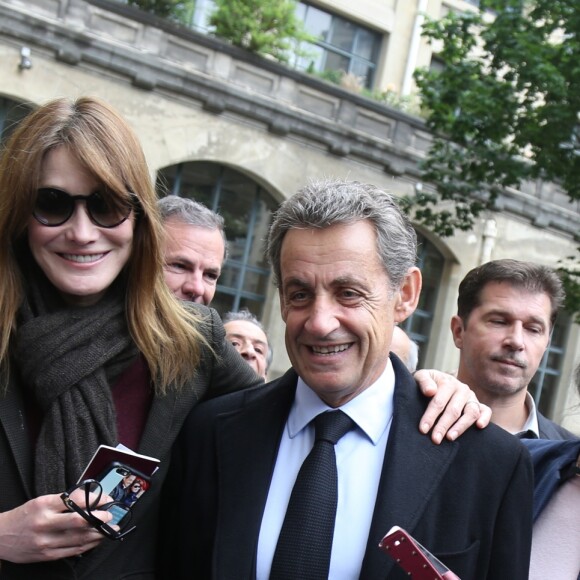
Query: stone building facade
{"points": [[241, 133]]}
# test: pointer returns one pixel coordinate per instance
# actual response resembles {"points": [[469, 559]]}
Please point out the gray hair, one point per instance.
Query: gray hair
{"points": [[193, 213], [326, 203], [246, 316]]}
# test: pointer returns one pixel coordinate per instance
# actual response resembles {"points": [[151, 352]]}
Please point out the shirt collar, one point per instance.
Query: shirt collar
{"points": [[371, 410], [531, 423]]}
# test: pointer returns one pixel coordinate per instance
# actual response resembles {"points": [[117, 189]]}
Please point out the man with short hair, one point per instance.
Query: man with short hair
{"points": [[241, 454], [506, 310], [250, 339], [195, 248]]}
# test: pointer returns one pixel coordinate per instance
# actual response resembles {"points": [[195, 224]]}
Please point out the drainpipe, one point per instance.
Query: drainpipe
{"points": [[413, 48], [488, 240]]}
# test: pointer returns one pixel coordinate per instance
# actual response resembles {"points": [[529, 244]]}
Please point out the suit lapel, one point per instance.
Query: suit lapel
{"points": [[411, 473], [247, 446]]}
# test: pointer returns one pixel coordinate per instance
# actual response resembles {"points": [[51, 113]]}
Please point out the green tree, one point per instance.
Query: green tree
{"points": [[503, 109], [265, 27], [170, 9]]}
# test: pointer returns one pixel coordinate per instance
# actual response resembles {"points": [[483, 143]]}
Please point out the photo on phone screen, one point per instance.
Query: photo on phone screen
{"points": [[113, 477]]}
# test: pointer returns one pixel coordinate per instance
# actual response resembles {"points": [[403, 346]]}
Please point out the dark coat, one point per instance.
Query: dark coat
{"points": [[468, 501], [550, 430], [134, 557], [552, 462]]}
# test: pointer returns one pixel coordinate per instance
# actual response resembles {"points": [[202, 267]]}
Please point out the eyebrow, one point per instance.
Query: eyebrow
{"points": [[336, 282]]}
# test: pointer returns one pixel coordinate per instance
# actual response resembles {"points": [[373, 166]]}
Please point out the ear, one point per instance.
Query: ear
{"points": [[408, 295], [457, 331]]}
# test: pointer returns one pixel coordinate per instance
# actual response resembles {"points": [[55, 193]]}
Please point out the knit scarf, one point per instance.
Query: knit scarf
{"points": [[67, 358]]}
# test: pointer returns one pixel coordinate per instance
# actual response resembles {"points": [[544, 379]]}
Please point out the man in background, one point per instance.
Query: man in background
{"points": [[506, 311], [195, 248], [250, 339]]}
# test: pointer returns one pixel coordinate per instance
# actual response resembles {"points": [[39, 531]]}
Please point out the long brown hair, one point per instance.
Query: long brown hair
{"points": [[166, 334]]}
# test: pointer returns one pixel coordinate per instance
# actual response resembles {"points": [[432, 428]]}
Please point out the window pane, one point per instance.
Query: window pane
{"points": [[363, 71], [318, 23], [366, 44], [336, 61], [343, 46], [11, 113], [312, 61], [544, 384], [343, 33]]}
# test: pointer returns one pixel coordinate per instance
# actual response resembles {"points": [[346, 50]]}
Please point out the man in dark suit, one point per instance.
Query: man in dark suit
{"points": [[506, 310], [343, 258]]}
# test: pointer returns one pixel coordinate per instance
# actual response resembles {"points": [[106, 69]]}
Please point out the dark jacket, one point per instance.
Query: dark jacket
{"points": [[553, 462], [468, 501], [134, 557], [550, 430]]}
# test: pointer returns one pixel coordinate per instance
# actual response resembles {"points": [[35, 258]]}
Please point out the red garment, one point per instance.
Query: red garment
{"points": [[132, 395]]}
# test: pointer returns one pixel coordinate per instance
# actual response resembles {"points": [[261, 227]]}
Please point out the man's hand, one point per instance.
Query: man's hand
{"points": [[453, 406], [42, 530]]}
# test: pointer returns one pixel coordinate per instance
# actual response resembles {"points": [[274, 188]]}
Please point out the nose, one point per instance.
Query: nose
{"points": [[193, 287], [247, 351], [515, 336], [79, 228], [322, 318]]}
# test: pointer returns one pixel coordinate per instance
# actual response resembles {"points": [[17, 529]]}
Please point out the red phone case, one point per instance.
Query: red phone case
{"points": [[413, 558]]}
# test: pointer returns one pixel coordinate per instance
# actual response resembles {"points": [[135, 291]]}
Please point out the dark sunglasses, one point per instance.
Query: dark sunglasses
{"points": [[54, 207], [92, 496]]}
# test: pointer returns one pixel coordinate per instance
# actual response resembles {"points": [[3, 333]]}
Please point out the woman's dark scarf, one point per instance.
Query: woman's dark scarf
{"points": [[67, 358]]}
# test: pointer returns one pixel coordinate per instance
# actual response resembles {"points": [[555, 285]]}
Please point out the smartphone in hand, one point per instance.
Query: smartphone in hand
{"points": [[125, 486]]}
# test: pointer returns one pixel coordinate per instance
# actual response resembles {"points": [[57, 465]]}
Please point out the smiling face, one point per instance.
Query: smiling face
{"points": [[503, 340], [338, 308], [193, 260], [79, 258]]}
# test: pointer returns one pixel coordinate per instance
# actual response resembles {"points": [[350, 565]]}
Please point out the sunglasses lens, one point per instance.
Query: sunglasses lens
{"points": [[106, 214], [53, 207]]}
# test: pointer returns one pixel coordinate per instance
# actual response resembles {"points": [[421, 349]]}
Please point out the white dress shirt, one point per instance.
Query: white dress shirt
{"points": [[359, 457], [531, 423]]}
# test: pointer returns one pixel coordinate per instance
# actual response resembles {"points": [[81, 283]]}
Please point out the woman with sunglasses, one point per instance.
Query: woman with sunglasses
{"points": [[94, 349]]}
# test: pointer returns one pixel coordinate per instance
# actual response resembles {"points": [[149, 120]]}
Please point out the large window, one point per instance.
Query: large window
{"points": [[544, 385], [341, 45], [418, 325], [247, 209]]}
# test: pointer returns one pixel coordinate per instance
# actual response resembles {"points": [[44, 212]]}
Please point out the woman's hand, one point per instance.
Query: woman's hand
{"points": [[453, 406], [42, 530]]}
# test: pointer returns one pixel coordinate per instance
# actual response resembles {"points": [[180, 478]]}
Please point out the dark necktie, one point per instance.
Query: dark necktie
{"points": [[305, 541]]}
